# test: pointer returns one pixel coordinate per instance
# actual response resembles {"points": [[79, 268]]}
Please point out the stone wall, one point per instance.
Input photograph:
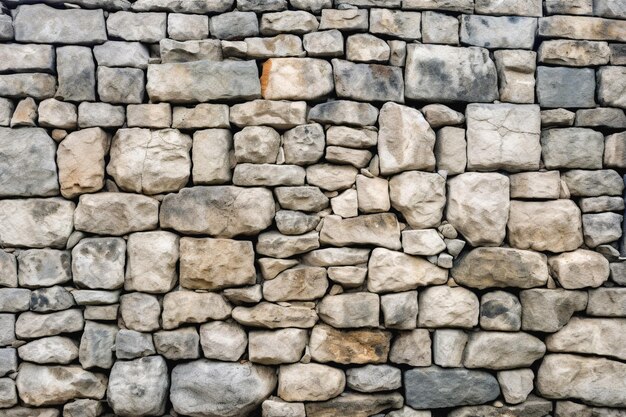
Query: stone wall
{"points": [[401, 208]]}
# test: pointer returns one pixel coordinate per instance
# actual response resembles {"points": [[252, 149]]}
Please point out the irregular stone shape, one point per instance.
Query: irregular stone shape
{"points": [[448, 347], [498, 32], [257, 145], [96, 345], [363, 47], [310, 382], [98, 263], [374, 378], [390, 271], [295, 222], [27, 164], [25, 114], [275, 316], [48, 385], [368, 82], [43, 24], [553, 91], [372, 194], [223, 211], [95, 297], [201, 116], [501, 267], [201, 81], [120, 85], [372, 229], [503, 136], [14, 300], [516, 73], [282, 45], [348, 19], [451, 150], [553, 226], [7, 325], [43, 267], [502, 350], [582, 183], [277, 245], [331, 177], [404, 25], [276, 347], [122, 54], [436, 387], [478, 207], [9, 361], [581, 27], [345, 204], [115, 213], [142, 27], [533, 407], [274, 407], [584, 148], [26, 58], [193, 307], [213, 264], [590, 336], [57, 114], [563, 376], [509, 7], [500, 310], [443, 306], [268, 175], [344, 112], [601, 204], [55, 349], [140, 312], [288, 21], [601, 228], [608, 302], [296, 79], [304, 144], [278, 114], [80, 159], [225, 341], [178, 344], [150, 162], [336, 256], [130, 344], [574, 53], [36, 222], [212, 151], [611, 86], [579, 269], [216, 6], [324, 43], [399, 310], [76, 73], [296, 284], [196, 50], [354, 404], [516, 384], [615, 150], [8, 270], [439, 73], [138, 387], [419, 196], [151, 262], [349, 346], [360, 309], [216, 389], [411, 348]]}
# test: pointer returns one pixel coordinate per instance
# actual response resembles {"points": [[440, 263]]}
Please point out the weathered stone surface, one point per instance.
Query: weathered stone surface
{"points": [[419, 196], [404, 25], [563, 376], [516, 384], [601, 228], [372, 229], [151, 262], [76, 74], [366, 48], [178, 344], [278, 114], [462, 74], [130, 344], [440, 28], [331, 177], [511, 129], [276, 347], [216, 6], [554, 91], [122, 54], [608, 302], [275, 316], [223, 211], [582, 183], [426, 242], [193, 307], [498, 32], [509, 7], [436, 387], [26, 58], [574, 53], [448, 347], [296, 79], [368, 82], [140, 312], [443, 306], [96, 345], [501, 267], [590, 336], [500, 310], [48, 385], [297, 284], [399, 310], [57, 114], [581, 27], [336, 256], [102, 115], [35, 85], [516, 74], [349, 346], [234, 25], [195, 50], [612, 86], [28, 163], [350, 310], [277, 245], [120, 85], [43, 267], [478, 207], [55, 349], [502, 350], [450, 149], [462, 6], [268, 175], [347, 19], [344, 112], [257, 145], [390, 271], [354, 405], [533, 407], [98, 263], [579, 269], [310, 382], [215, 389], [584, 148], [36, 222], [411, 348], [279, 46], [59, 26], [374, 378], [142, 27], [224, 341], [203, 81], [405, 140]]}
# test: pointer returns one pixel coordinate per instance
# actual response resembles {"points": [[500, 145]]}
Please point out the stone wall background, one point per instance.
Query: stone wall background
{"points": [[402, 208]]}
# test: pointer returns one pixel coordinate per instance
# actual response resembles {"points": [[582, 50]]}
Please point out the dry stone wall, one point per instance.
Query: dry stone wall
{"points": [[348, 208]]}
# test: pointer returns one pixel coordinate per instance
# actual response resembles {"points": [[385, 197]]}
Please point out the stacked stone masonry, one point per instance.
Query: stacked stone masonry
{"points": [[321, 208]]}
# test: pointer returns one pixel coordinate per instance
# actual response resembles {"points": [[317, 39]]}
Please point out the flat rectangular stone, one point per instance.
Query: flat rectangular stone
{"points": [[509, 7], [582, 27], [577, 7], [35, 85], [201, 81], [43, 24], [462, 6], [498, 32], [566, 87], [15, 57], [178, 6], [368, 82]]}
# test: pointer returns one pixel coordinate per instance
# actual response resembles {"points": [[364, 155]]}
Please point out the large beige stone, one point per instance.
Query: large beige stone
{"points": [[80, 158], [553, 226], [595, 381], [213, 264], [352, 403], [273, 347], [501, 267], [503, 136], [419, 196], [297, 284], [548, 310], [372, 229], [275, 316], [150, 161], [277, 114], [443, 306], [351, 310], [478, 207], [604, 337], [349, 346], [582, 27], [405, 140], [296, 79], [310, 382], [151, 262], [579, 269], [574, 53], [391, 271], [502, 350], [193, 307]]}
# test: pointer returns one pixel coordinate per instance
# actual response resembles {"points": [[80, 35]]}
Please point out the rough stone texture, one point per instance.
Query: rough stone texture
{"points": [[391, 271], [419, 196], [502, 350], [442, 306]]}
